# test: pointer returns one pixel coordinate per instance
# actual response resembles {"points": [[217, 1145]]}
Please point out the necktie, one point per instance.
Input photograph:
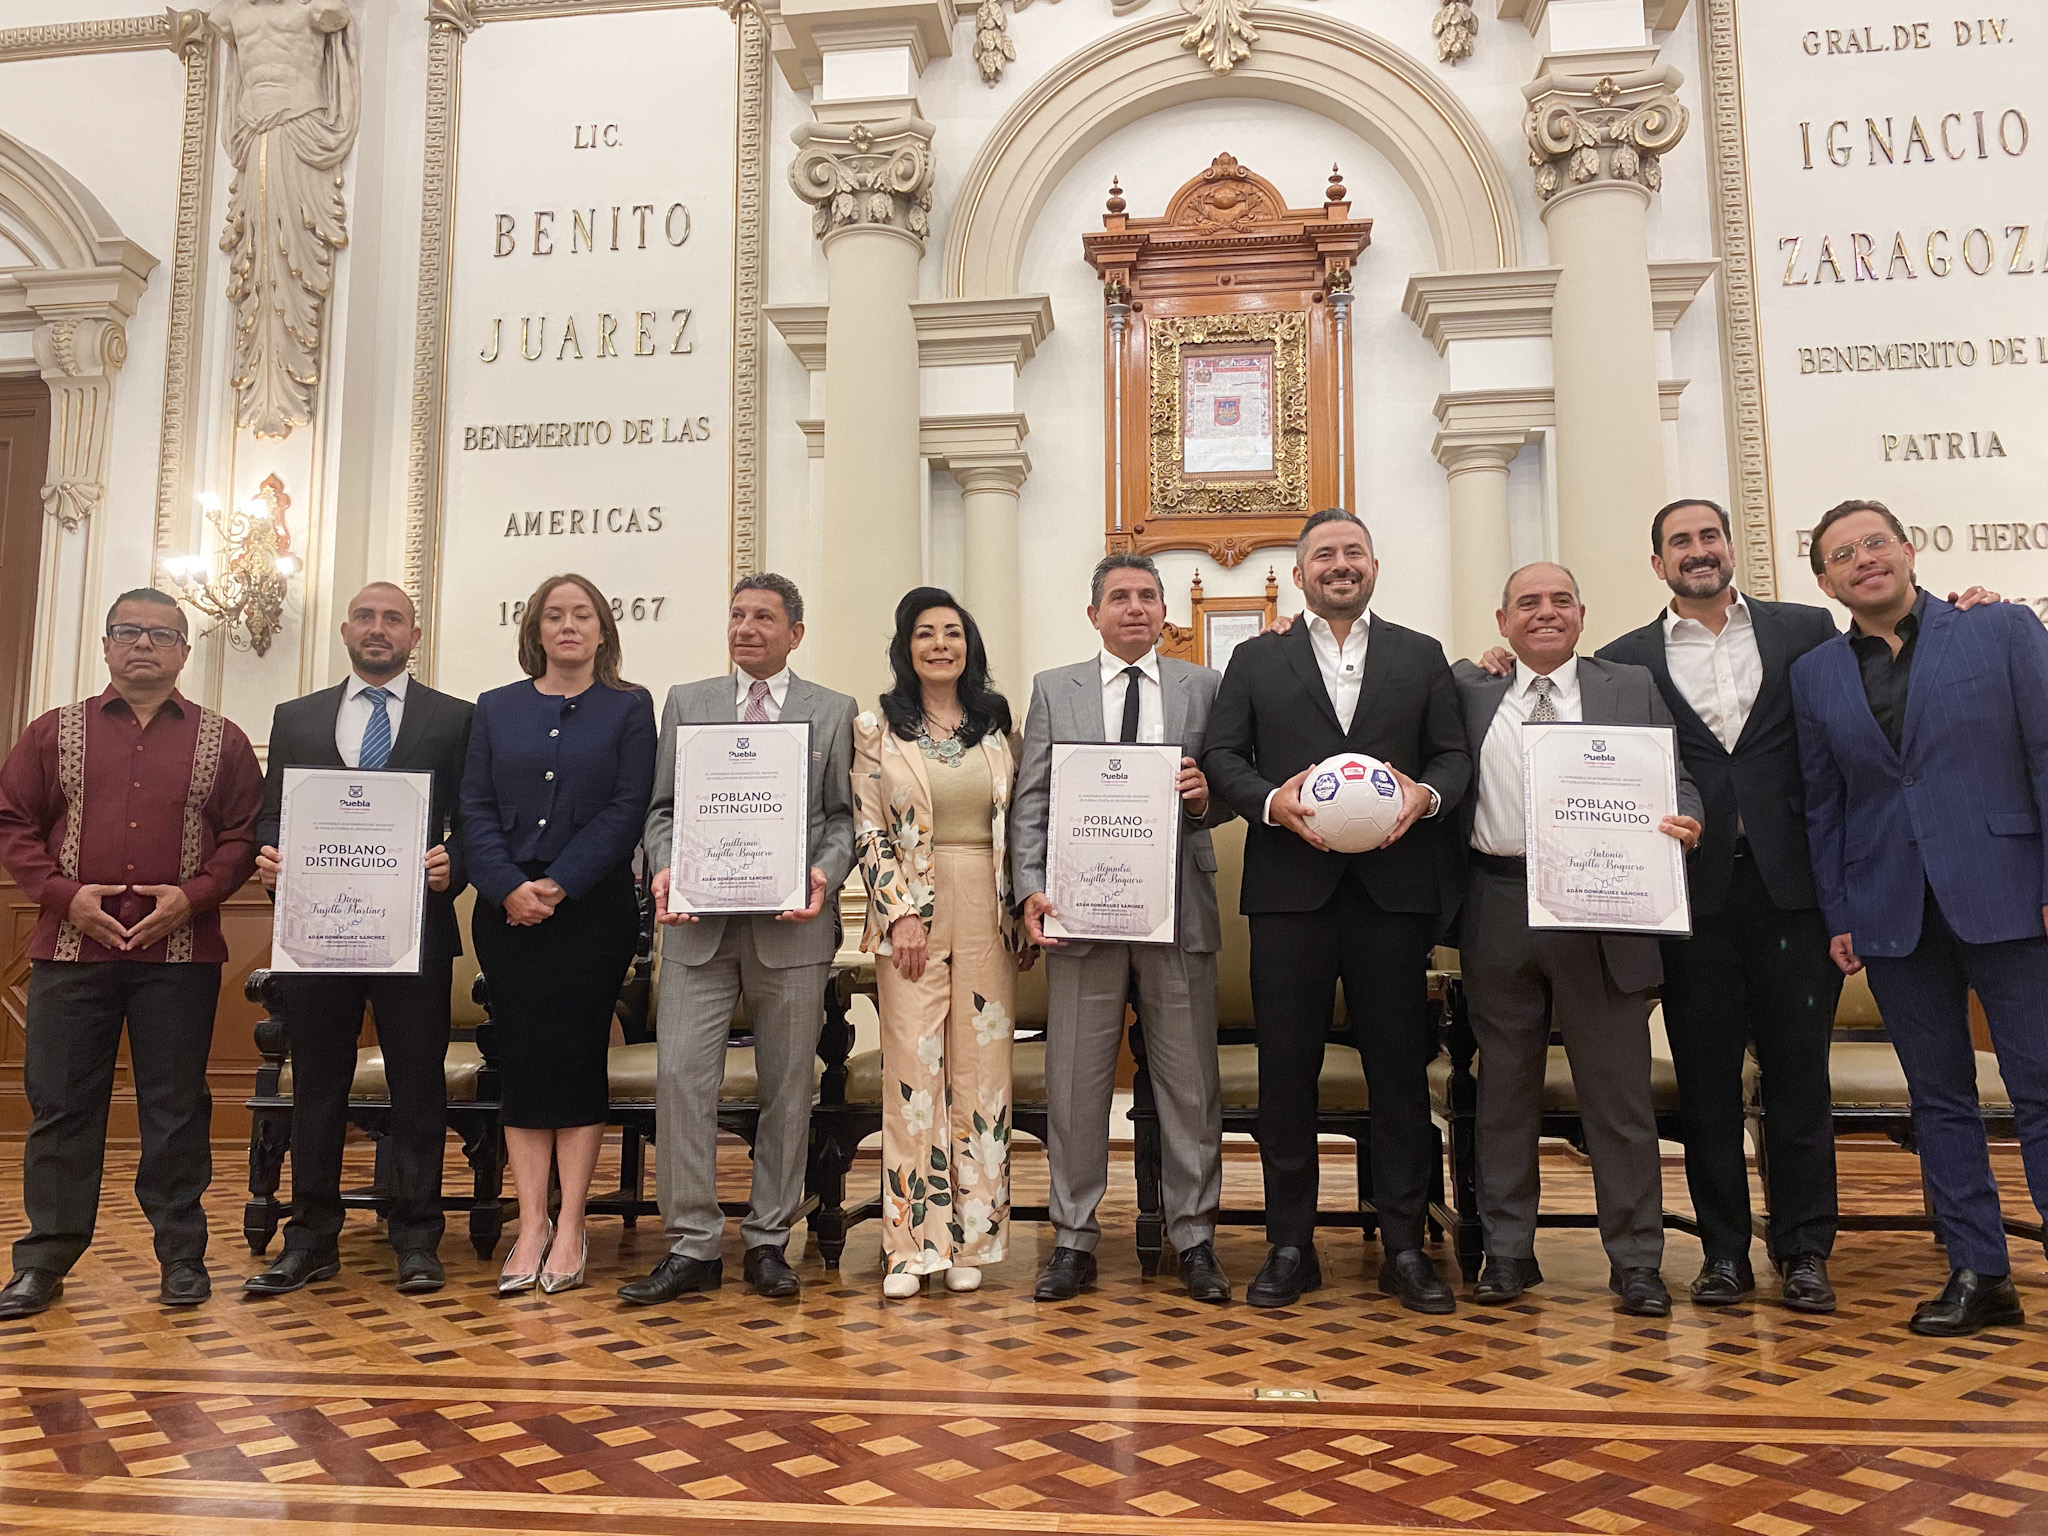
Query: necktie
{"points": [[1546, 704], [1130, 730], [757, 704], [376, 748]]}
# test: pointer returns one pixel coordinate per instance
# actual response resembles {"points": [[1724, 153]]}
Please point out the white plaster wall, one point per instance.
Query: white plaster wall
{"points": [[1396, 374], [112, 121]]}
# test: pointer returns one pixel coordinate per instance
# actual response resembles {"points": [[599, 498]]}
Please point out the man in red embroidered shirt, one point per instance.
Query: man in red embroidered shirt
{"points": [[129, 819]]}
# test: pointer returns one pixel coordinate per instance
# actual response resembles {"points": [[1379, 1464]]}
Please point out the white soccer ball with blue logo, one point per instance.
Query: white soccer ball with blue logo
{"points": [[1356, 800]]}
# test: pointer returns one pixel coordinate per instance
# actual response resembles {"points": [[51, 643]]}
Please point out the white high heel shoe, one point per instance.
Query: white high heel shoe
{"points": [[901, 1287], [962, 1278]]}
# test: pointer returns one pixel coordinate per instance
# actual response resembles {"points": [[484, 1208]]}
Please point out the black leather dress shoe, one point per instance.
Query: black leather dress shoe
{"points": [[420, 1271], [1064, 1275], [1641, 1290], [295, 1269], [186, 1283], [1806, 1287], [674, 1276], [768, 1272], [1412, 1280], [29, 1292], [1503, 1280], [1968, 1302], [1289, 1272], [1723, 1283], [1203, 1276]]}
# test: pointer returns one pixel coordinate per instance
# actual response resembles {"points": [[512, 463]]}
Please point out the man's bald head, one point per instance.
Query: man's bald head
{"points": [[380, 631]]}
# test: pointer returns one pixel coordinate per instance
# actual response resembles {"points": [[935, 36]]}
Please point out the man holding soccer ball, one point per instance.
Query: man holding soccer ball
{"points": [[1346, 681]]}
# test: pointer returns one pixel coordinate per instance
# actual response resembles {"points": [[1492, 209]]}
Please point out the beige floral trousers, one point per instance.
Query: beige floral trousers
{"points": [[946, 1080]]}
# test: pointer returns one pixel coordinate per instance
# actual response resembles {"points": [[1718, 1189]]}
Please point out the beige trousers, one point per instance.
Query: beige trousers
{"points": [[946, 1080]]}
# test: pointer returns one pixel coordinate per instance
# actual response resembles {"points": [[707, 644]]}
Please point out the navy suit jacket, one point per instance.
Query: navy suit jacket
{"points": [[561, 782], [1759, 781], [1959, 808]]}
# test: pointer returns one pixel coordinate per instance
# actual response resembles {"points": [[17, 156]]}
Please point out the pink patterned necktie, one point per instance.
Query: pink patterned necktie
{"points": [[757, 704]]}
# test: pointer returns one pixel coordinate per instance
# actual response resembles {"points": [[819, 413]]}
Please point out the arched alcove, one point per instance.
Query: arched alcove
{"points": [[1369, 86]]}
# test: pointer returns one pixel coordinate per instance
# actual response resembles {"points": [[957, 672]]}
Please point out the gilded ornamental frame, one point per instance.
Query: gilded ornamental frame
{"points": [[1178, 493]]}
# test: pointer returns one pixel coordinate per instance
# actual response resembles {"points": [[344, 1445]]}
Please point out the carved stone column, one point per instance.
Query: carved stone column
{"points": [[870, 187], [78, 359], [989, 485], [1481, 555], [1595, 141]]}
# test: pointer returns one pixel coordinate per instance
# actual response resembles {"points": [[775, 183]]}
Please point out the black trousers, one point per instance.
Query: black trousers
{"points": [[1755, 973], [75, 1014], [323, 1016], [1383, 960]]}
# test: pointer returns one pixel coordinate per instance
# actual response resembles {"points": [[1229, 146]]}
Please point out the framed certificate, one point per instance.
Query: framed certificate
{"points": [[1594, 796], [743, 819], [351, 882], [1112, 857]]}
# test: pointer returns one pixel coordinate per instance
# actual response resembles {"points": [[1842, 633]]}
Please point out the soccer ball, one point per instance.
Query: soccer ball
{"points": [[1356, 801]]}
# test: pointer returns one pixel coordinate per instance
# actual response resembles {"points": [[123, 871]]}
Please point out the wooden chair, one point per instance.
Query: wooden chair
{"points": [[1869, 1095]]}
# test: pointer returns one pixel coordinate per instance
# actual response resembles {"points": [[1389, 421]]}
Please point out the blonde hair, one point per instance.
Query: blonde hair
{"points": [[533, 659]]}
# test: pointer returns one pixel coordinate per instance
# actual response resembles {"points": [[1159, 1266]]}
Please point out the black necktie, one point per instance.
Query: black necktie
{"points": [[1130, 730]]}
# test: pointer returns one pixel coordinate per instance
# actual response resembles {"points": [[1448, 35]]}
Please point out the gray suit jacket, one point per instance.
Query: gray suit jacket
{"points": [[1610, 693], [713, 702], [1066, 705]]}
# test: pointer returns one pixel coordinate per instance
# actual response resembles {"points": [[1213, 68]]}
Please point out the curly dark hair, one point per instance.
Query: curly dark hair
{"points": [[982, 709]]}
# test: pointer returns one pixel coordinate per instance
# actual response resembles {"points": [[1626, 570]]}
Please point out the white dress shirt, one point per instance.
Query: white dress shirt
{"points": [[1342, 665], [1151, 701], [1500, 826], [778, 691], [1719, 675], [353, 718]]}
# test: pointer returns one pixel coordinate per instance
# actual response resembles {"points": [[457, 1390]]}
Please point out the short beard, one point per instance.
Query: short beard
{"points": [[1686, 585], [363, 664], [1324, 607]]}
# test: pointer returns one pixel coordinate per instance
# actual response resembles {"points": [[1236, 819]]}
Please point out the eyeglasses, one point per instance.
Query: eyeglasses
{"points": [[1872, 542], [161, 635]]}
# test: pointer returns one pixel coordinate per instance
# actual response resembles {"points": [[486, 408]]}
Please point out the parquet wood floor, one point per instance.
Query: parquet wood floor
{"points": [[346, 1407]]}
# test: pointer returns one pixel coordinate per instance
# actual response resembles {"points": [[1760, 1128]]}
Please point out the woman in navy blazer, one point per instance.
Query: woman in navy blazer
{"points": [[561, 768]]}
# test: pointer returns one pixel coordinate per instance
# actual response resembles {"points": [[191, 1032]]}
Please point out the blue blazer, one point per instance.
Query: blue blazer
{"points": [[1960, 807], [556, 781]]}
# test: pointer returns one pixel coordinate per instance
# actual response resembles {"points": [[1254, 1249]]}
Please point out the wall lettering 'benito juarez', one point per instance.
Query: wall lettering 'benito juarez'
{"points": [[590, 357], [1898, 172]]}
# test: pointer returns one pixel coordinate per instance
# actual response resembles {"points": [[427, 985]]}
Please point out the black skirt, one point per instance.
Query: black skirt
{"points": [[552, 990]]}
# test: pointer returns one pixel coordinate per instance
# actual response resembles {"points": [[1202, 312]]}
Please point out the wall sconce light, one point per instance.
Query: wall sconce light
{"points": [[247, 598]]}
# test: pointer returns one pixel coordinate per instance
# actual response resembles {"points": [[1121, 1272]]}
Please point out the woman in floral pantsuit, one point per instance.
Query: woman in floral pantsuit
{"points": [[932, 772]]}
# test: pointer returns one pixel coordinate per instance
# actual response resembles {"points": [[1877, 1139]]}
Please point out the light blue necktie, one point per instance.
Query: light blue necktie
{"points": [[376, 750]]}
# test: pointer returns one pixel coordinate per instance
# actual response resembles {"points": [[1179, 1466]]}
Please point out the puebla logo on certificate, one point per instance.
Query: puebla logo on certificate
{"points": [[1595, 796]]}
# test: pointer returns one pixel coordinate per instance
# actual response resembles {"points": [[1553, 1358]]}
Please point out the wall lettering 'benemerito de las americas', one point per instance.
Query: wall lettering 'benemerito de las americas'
{"points": [[590, 365], [1898, 206]]}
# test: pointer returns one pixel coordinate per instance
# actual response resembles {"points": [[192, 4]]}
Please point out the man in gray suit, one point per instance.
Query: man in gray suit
{"points": [[1128, 692], [1594, 987], [781, 963]]}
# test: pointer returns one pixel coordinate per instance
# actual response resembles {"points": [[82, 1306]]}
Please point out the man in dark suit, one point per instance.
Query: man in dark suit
{"points": [[1755, 972], [1594, 987], [379, 717], [1342, 681], [1924, 735]]}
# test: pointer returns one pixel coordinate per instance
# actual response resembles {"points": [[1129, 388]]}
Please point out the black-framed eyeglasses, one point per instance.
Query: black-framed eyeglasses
{"points": [[160, 635], [1870, 541]]}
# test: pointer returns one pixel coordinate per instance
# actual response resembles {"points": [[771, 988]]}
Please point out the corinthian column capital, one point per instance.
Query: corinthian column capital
{"points": [[1612, 127], [863, 175]]}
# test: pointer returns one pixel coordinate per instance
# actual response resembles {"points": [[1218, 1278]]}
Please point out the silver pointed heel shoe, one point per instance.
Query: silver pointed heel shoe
{"points": [[552, 1283], [510, 1284]]}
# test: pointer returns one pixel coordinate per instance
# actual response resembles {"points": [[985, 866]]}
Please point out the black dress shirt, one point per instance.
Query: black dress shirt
{"points": [[1885, 676]]}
